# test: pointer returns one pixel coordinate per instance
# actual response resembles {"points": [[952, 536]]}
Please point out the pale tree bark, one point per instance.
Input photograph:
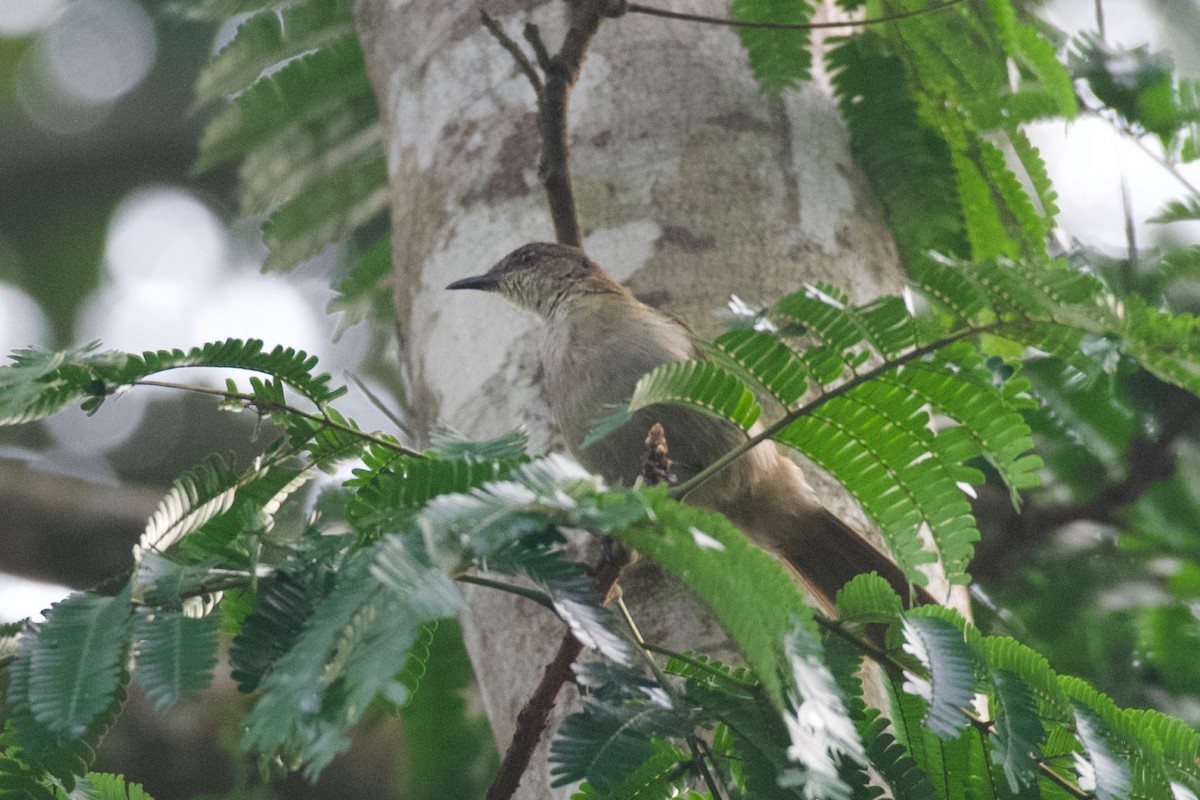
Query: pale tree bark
{"points": [[692, 184]]}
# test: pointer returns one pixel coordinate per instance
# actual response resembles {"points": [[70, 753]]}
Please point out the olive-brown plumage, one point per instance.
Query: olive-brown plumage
{"points": [[599, 341]]}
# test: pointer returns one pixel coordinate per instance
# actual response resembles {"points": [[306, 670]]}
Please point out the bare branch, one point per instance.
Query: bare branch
{"points": [[534, 717], [514, 50], [534, 36]]}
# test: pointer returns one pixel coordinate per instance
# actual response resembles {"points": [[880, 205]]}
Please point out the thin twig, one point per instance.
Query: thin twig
{"points": [[513, 49], [541, 598], [381, 406], [693, 742], [638, 8], [700, 665], [534, 36], [1131, 251], [267, 407], [1136, 138]]}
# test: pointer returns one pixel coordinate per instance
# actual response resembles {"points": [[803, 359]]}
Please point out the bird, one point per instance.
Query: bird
{"points": [[599, 341]]}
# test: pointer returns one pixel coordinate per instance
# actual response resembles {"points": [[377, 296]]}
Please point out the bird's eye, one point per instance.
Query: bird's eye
{"points": [[527, 258]]}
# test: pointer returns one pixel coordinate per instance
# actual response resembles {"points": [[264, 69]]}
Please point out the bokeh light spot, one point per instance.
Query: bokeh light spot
{"points": [[101, 49], [164, 233], [22, 321], [23, 17]]}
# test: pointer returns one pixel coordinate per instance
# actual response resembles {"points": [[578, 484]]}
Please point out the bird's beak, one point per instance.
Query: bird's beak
{"points": [[485, 282]]}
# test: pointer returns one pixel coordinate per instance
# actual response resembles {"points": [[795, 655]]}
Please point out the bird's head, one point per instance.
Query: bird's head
{"points": [[539, 276]]}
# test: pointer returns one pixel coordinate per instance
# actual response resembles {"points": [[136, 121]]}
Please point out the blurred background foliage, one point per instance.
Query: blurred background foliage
{"points": [[107, 230]]}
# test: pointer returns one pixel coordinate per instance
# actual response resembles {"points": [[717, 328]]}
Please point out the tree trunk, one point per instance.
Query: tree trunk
{"points": [[691, 183]]}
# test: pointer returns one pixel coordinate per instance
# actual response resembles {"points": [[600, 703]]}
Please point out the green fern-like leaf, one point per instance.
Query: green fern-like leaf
{"points": [[940, 648], [1112, 771], [293, 367], [623, 713], [326, 210], [305, 89], [390, 481], [778, 58], [76, 662], [702, 385], [194, 498], [868, 598], [449, 444], [956, 82], [889, 760], [352, 647], [956, 383], [769, 361], [895, 489], [174, 654], [39, 382], [1179, 743], [281, 607], [41, 751], [661, 775], [303, 157], [269, 37], [105, 786], [18, 781], [537, 498], [883, 327], [572, 596], [713, 558], [1016, 742], [906, 161], [607, 742], [820, 730], [1008, 655], [363, 292], [1166, 345], [757, 740]]}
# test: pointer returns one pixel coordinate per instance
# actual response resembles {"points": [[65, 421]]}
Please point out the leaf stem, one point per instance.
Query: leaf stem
{"points": [[638, 8], [698, 758], [539, 597], [266, 406], [684, 489], [701, 665]]}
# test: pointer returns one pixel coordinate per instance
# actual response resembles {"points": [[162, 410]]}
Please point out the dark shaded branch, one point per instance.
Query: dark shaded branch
{"points": [[534, 37], [1012, 533], [534, 717], [638, 8], [531, 722], [561, 72]]}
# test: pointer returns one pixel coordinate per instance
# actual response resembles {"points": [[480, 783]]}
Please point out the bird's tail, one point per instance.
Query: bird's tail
{"points": [[826, 554], [783, 515]]}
